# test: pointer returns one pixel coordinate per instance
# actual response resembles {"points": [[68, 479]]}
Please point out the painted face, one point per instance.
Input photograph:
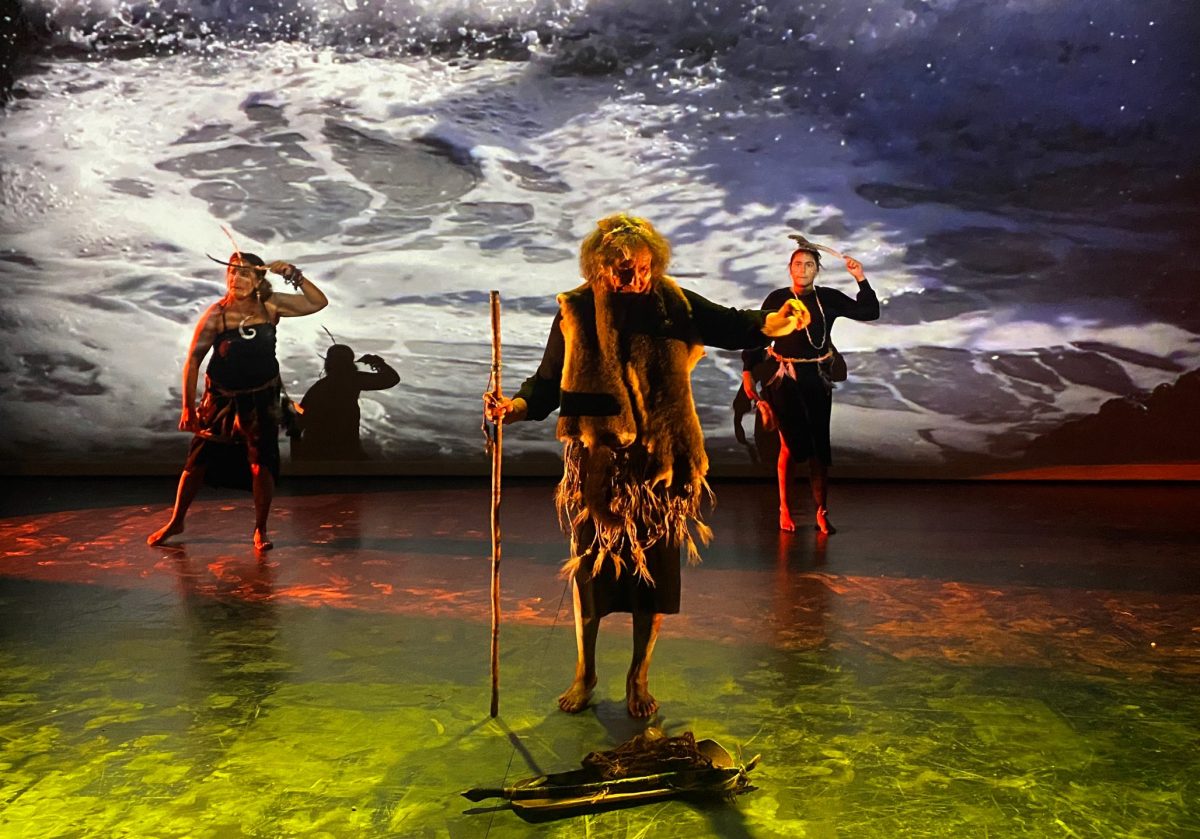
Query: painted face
{"points": [[630, 274], [803, 269], [241, 280]]}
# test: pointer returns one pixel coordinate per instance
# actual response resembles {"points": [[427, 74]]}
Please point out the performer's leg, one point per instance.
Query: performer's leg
{"points": [[189, 484], [575, 698], [637, 693], [819, 481], [783, 468], [264, 491]]}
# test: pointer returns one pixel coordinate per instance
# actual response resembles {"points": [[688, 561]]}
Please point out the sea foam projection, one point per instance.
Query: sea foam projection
{"points": [[1017, 177]]}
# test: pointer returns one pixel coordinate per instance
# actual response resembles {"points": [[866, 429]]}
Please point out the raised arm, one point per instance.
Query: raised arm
{"points": [[865, 304], [381, 377], [310, 299]]}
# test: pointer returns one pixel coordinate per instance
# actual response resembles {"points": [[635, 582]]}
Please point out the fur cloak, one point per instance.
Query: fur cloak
{"points": [[634, 460]]}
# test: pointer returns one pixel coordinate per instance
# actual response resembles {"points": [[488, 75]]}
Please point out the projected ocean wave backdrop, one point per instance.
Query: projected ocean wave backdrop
{"points": [[1019, 179]]}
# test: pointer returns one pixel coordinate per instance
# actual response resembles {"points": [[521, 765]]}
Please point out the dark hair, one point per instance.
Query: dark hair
{"points": [[816, 255], [339, 357], [245, 258]]}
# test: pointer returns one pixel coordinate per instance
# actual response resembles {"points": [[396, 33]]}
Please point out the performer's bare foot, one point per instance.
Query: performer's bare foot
{"points": [[261, 542], [639, 701], [785, 521], [165, 532], [575, 698], [823, 524]]}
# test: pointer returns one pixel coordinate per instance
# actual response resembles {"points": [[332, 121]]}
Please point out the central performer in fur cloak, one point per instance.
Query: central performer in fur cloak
{"points": [[618, 367]]}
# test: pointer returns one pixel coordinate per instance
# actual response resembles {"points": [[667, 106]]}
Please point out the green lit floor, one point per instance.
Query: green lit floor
{"points": [[960, 660]]}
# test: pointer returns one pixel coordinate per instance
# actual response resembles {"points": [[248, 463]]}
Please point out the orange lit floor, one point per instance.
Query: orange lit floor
{"points": [[960, 659]]}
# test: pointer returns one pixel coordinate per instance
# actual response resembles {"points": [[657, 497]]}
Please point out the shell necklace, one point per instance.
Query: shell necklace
{"points": [[243, 332], [825, 323]]}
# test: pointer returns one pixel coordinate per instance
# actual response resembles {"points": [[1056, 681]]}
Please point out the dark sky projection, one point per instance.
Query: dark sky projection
{"points": [[1018, 176]]}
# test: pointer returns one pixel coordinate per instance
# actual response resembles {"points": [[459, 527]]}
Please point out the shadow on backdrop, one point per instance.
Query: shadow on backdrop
{"points": [[328, 427]]}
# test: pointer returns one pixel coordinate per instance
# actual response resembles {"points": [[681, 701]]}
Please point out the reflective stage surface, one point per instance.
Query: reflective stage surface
{"points": [[958, 660]]}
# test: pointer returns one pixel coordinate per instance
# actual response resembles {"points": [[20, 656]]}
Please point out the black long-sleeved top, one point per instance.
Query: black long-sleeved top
{"points": [[715, 325], [813, 341]]}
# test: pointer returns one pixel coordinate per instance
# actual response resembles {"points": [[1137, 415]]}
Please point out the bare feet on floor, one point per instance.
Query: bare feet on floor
{"points": [[639, 701], [785, 521], [823, 524], [261, 542], [575, 698], [165, 532]]}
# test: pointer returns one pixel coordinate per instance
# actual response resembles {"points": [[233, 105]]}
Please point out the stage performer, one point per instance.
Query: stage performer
{"points": [[236, 425], [797, 387], [618, 367]]}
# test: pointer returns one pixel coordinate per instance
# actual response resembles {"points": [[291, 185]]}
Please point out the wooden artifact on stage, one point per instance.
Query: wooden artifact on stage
{"points": [[495, 437], [648, 767]]}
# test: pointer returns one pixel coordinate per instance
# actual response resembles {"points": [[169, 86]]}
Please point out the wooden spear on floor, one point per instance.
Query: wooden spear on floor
{"points": [[496, 444]]}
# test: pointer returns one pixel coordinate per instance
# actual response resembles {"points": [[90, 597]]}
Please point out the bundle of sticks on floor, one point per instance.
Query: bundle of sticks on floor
{"points": [[647, 767]]}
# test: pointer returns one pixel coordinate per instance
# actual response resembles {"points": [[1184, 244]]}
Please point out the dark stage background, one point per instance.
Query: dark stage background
{"points": [[1019, 177]]}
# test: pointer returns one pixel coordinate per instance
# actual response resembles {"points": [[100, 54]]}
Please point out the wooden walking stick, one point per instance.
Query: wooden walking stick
{"points": [[496, 444]]}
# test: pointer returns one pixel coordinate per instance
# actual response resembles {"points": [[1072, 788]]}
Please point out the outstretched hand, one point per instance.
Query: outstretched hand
{"points": [[792, 315]]}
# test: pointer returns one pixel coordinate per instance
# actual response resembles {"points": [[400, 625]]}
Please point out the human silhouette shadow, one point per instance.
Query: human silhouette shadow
{"points": [[329, 414]]}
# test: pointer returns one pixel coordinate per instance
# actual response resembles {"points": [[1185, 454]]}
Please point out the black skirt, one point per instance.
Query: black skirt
{"points": [[606, 593], [237, 430], [802, 408]]}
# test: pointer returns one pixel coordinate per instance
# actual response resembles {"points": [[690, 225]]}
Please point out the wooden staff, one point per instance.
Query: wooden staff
{"points": [[497, 446]]}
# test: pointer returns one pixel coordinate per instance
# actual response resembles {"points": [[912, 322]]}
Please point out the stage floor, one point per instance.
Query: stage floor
{"points": [[960, 660]]}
